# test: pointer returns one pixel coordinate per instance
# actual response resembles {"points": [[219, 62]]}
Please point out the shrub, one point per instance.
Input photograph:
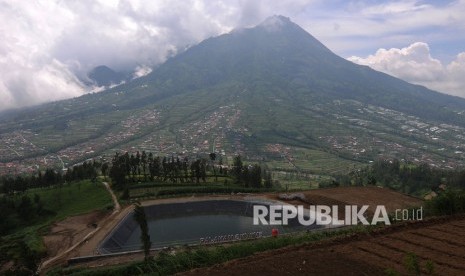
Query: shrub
{"points": [[411, 263], [429, 267], [447, 203]]}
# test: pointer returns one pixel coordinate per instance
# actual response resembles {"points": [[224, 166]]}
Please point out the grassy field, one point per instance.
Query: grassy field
{"points": [[313, 161], [224, 185], [69, 200], [74, 199]]}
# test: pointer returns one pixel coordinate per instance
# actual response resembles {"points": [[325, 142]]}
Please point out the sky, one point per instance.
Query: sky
{"points": [[48, 47]]}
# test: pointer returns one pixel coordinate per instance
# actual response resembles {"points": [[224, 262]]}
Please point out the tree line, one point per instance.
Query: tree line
{"points": [[126, 168], [20, 212], [18, 184], [251, 175], [141, 166], [402, 176]]}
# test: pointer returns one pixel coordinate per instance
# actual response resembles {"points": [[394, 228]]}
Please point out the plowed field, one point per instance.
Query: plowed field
{"points": [[441, 242]]}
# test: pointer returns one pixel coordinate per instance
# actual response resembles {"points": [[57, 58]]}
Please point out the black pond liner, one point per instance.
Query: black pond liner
{"points": [[122, 239]]}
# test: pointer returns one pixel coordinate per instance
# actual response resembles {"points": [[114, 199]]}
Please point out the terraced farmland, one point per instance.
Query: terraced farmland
{"points": [[439, 246]]}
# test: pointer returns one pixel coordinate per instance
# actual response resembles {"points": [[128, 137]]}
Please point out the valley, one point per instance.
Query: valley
{"points": [[346, 131]]}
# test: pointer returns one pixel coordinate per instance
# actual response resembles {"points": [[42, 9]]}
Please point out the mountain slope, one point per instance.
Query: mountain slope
{"points": [[270, 92], [286, 56]]}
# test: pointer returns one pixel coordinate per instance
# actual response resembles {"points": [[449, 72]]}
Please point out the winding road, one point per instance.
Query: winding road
{"points": [[64, 255]]}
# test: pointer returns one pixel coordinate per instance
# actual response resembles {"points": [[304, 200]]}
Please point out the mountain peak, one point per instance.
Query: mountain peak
{"points": [[103, 75], [275, 23]]}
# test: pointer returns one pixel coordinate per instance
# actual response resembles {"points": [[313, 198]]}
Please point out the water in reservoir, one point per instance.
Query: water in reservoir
{"points": [[188, 230], [187, 223]]}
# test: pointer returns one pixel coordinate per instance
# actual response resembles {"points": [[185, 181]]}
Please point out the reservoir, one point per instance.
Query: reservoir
{"points": [[179, 224]]}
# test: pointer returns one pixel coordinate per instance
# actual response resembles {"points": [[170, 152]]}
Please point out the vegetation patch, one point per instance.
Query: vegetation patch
{"points": [[23, 244]]}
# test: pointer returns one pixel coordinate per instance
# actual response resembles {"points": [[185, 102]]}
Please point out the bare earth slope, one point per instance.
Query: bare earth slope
{"points": [[371, 196]]}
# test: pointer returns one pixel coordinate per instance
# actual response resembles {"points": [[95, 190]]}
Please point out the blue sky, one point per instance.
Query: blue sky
{"points": [[48, 46], [359, 27], [419, 41]]}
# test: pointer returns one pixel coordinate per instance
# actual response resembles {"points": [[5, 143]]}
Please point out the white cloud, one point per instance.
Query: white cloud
{"points": [[395, 7], [141, 71], [28, 74], [415, 64], [45, 44], [456, 73]]}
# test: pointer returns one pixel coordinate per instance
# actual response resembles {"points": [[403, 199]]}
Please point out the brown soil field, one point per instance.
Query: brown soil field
{"points": [[441, 241], [67, 232], [80, 235], [371, 196]]}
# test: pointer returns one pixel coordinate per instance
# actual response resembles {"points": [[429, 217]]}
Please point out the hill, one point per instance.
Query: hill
{"points": [[104, 76], [272, 93]]}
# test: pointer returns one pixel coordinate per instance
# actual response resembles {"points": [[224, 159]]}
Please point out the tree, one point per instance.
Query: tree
{"points": [[118, 171], [39, 204], [141, 219], [104, 169], [165, 169], [154, 168], [50, 177], [29, 258], [40, 179], [150, 164], [237, 168], [195, 170], [126, 163], [255, 176], [185, 168], [268, 180], [245, 176], [213, 158], [143, 161], [134, 165], [203, 169], [126, 195], [26, 208], [137, 165]]}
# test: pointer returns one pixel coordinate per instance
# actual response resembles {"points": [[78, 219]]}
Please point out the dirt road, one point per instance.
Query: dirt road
{"points": [[80, 235]]}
